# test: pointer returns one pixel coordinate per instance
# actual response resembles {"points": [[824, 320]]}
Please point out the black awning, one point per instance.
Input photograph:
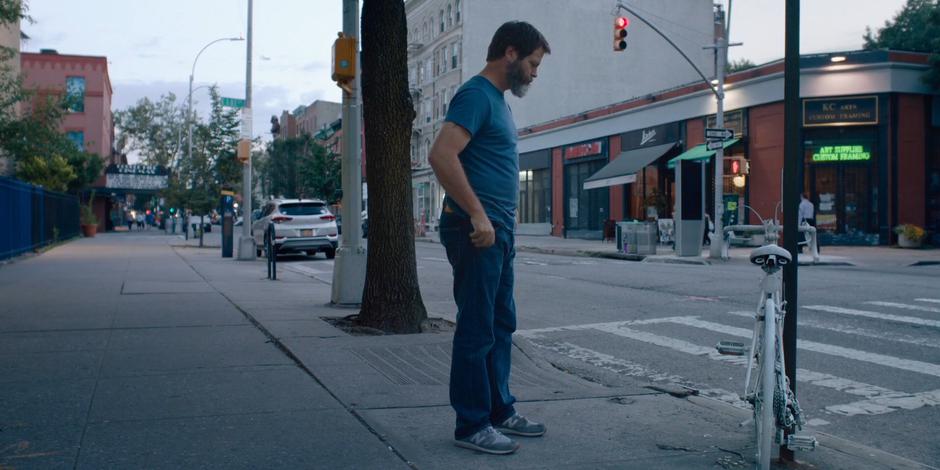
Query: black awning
{"points": [[623, 169]]}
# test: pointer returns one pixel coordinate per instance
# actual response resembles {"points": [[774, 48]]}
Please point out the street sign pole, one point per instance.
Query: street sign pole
{"points": [[246, 244], [722, 50], [349, 268], [792, 159]]}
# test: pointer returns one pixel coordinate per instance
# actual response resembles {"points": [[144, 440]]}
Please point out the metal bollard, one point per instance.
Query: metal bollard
{"points": [[270, 249]]}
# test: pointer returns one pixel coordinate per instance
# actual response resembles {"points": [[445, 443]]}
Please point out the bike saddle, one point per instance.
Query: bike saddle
{"points": [[760, 255]]}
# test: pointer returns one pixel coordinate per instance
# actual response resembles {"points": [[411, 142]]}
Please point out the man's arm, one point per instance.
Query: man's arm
{"points": [[445, 162]]}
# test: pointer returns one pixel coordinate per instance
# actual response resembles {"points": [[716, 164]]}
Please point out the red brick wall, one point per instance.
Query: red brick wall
{"points": [[694, 132], [616, 192], [911, 191], [558, 194], [765, 150]]}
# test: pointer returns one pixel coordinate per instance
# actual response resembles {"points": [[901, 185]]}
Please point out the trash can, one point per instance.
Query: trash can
{"points": [[626, 237], [646, 236]]}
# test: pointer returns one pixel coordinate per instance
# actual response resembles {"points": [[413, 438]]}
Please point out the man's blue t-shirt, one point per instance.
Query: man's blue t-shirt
{"points": [[490, 159]]}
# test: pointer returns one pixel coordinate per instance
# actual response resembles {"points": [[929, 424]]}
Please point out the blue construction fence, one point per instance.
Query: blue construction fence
{"points": [[32, 217]]}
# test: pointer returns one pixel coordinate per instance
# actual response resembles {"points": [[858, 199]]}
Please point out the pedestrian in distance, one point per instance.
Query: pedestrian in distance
{"points": [[807, 213], [130, 221], [476, 161]]}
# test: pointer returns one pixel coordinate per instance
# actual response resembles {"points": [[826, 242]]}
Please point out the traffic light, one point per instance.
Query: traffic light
{"points": [[620, 33], [736, 166]]}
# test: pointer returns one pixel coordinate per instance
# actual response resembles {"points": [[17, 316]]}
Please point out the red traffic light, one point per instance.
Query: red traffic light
{"points": [[735, 166], [620, 33]]}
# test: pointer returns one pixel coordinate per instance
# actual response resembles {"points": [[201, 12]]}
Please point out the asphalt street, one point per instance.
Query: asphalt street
{"points": [[868, 359]]}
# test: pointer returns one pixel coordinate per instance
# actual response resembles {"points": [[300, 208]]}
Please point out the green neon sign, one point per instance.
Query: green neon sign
{"points": [[841, 153]]}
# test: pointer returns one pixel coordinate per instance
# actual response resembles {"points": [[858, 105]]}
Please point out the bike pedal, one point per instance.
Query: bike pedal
{"points": [[802, 442], [731, 348]]}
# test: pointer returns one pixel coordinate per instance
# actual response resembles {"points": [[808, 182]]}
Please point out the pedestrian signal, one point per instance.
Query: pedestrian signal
{"points": [[620, 33]]}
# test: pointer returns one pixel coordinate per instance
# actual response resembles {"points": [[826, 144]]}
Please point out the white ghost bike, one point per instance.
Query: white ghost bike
{"points": [[775, 406]]}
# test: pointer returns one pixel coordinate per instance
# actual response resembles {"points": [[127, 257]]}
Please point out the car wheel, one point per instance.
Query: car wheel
{"points": [[330, 253]]}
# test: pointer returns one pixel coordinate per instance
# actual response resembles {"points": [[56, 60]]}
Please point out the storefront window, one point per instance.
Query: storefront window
{"points": [[534, 196], [840, 176], [587, 210]]}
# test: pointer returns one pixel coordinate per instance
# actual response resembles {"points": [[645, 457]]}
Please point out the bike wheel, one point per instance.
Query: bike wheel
{"points": [[764, 404]]}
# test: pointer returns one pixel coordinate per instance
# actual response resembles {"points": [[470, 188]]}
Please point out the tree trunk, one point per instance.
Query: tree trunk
{"points": [[391, 300]]}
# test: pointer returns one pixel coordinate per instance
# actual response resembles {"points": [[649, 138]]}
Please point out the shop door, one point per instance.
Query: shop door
{"points": [[585, 210], [843, 195]]}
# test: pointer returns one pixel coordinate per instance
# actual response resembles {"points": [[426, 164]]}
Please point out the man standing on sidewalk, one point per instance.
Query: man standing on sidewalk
{"points": [[476, 161]]}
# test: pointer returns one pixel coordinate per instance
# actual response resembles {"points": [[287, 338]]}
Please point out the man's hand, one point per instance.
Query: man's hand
{"points": [[483, 235]]}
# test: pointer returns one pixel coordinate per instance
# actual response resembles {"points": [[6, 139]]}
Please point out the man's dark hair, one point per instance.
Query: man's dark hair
{"points": [[522, 36]]}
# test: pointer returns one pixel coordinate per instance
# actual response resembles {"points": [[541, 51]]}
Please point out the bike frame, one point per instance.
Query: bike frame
{"points": [[768, 341]]}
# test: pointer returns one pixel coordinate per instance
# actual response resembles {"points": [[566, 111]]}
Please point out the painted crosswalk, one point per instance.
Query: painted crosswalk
{"points": [[871, 323]]}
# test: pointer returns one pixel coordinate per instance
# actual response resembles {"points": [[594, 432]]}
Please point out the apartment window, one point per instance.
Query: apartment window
{"points": [[450, 16], [420, 72], [427, 111], [453, 55], [457, 12], [75, 94], [444, 103], [77, 138], [442, 21]]}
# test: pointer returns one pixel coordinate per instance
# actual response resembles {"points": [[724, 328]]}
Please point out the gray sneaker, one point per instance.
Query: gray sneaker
{"points": [[520, 426], [488, 440]]}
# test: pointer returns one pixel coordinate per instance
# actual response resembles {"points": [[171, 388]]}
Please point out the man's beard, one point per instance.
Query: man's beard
{"points": [[517, 80]]}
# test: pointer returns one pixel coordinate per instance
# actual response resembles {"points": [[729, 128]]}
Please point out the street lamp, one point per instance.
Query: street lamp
{"points": [[189, 99]]}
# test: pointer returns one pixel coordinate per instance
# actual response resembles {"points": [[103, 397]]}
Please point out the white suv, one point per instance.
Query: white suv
{"points": [[300, 225]]}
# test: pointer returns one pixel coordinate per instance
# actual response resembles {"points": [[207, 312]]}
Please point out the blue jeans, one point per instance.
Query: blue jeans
{"points": [[486, 319]]}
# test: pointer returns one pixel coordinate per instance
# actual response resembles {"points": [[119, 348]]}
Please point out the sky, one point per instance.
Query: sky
{"points": [[151, 45]]}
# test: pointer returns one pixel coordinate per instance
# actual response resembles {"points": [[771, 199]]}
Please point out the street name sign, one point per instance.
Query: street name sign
{"points": [[718, 134], [233, 102], [715, 144]]}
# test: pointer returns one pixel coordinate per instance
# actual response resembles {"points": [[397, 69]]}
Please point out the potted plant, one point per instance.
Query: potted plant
{"points": [[89, 221], [910, 235]]}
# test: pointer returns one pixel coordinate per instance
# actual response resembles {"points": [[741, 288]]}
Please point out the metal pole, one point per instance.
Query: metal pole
{"points": [[349, 270], [721, 50], [792, 158], [246, 244]]}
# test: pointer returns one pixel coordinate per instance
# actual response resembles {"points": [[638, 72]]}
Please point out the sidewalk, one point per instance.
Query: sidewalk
{"points": [[121, 351]]}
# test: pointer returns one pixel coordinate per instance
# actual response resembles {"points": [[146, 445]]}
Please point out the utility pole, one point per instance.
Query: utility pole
{"points": [[721, 52], [349, 269], [246, 244]]}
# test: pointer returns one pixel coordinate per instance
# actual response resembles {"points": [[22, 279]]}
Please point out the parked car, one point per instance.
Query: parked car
{"points": [[300, 225]]}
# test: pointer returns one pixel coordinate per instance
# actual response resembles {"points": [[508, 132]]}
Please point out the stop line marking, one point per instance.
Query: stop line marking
{"points": [[936, 301]]}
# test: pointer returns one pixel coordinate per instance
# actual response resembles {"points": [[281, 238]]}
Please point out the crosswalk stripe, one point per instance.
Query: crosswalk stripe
{"points": [[819, 379], [925, 368], [876, 315], [936, 301], [632, 369], [882, 405], [919, 308]]}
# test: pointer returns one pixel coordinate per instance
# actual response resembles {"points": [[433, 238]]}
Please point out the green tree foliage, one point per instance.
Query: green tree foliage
{"points": [[739, 65], [298, 167], [52, 173], [154, 129], [157, 130], [915, 28], [32, 139]]}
